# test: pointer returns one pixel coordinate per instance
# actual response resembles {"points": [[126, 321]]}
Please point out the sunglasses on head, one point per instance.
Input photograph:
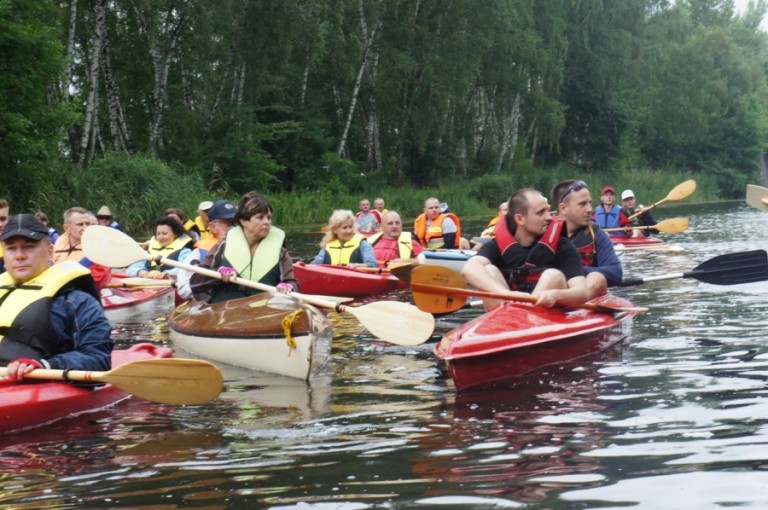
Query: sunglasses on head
{"points": [[575, 186]]}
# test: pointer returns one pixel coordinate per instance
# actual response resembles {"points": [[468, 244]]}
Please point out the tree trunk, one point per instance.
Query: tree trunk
{"points": [[356, 90], [66, 80], [219, 93], [121, 135], [373, 143], [510, 132], [93, 80], [162, 50]]}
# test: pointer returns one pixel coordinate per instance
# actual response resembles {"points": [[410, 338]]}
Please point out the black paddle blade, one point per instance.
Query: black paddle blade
{"points": [[732, 268]]}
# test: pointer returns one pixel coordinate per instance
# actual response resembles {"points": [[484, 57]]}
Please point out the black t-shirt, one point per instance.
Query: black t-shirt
{"points": [[566, 259]]}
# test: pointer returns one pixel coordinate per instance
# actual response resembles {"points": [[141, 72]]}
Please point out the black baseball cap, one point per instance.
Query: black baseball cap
{"points": [[24, 225]]}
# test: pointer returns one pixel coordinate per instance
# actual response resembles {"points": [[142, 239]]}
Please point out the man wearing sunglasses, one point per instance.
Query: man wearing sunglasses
{"points": [[574, 205], [530, 254]]}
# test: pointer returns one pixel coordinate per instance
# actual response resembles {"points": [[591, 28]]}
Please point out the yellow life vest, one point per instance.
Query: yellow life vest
{"points": [[266, 257], [172, 251], [340, 254], [199, 225]]}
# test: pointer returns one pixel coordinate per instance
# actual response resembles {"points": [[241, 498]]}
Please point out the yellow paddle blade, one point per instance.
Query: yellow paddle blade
{"points": [[679, 192], [672, 225], [682, 190], [164, 380], [402, 270]]}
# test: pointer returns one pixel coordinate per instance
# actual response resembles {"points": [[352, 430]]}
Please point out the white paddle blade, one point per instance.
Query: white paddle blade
{"points": [[757, 197], [395, 322], [110, 247]]}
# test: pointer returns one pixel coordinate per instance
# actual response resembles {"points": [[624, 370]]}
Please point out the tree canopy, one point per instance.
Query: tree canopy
{"points": [[290, 95]]}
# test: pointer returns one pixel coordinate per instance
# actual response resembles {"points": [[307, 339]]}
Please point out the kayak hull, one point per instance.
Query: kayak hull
{"points": [[329, 280], [515, 339], [33, 404], [452, 259], [250, 333], [123, 303]]}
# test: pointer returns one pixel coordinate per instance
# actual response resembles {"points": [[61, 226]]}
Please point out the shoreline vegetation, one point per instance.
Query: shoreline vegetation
{"points": [[137, 190]]}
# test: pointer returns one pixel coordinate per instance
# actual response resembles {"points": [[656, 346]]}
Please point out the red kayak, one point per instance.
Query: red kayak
{"points": [[329, 280], [515, 339], [25, 405], [120, 301]]}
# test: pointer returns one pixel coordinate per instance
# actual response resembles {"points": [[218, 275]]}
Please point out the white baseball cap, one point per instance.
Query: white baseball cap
{"points": [[204, 206], [627, 193]]}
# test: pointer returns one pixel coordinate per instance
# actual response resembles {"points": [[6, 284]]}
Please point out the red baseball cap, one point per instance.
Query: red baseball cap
{"points": [[608, 189]]}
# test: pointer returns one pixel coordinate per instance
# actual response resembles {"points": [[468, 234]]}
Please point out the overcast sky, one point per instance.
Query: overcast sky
{"points": [[741, 6]]}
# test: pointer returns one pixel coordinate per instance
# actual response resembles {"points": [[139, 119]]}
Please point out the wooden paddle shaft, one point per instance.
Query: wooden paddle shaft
{"points": [[490, 295], [313, 300]]}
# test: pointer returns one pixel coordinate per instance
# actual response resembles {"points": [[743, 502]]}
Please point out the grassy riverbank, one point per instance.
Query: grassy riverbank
{"points": [[138, 189]]}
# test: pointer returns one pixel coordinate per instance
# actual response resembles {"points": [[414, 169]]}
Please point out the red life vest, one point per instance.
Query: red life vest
{"points": [[525, 277]]}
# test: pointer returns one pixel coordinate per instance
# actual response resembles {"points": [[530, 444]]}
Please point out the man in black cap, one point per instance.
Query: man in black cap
{"points": [[221, 217], [50, 316]]}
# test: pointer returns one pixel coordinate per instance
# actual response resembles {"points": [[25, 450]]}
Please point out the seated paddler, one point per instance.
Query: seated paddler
{"points": [[343, 245], [253, 249], [169, 242], [50, 316], [530, 253]]}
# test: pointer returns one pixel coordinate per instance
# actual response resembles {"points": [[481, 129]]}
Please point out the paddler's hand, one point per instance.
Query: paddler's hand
{"points": [[284, 288], [547, 299], [18, 368], [154, 275], [227, 273]]}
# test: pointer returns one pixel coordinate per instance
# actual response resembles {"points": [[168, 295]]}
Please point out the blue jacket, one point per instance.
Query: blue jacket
{"points": [[606, 261]]}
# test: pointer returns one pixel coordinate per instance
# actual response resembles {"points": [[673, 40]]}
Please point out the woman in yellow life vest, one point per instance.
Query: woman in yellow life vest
{"points": [[252, 249], [170, 242], [343, 245]]}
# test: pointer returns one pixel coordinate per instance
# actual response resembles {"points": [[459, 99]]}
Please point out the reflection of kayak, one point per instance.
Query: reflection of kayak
{"points": [[453, 259], [344, 281], [620, 248], [120, 302], [514, 339], [636, 241], [27, 405], [249, 333]]}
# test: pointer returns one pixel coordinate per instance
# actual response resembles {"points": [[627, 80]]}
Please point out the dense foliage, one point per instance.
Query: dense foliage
{"points": [[351, 96]]}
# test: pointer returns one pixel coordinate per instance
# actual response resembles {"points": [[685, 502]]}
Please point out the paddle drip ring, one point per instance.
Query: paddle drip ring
{"points": [[287, 324]]}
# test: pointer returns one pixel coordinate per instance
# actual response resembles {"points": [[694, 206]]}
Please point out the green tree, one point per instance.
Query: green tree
{"points": [[30, 62]]}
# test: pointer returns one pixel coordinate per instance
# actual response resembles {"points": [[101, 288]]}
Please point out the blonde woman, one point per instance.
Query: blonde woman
{"points": [[342, 245]]}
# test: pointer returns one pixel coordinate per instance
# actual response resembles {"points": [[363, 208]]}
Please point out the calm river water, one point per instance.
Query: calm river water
{"points": [[676, 418]]}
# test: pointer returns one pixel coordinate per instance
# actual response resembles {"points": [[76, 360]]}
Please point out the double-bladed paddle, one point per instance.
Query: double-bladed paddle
{"points": [[668, 226], [728, 269], [757, 197], [164, 380], [438, 289], [679, 192], [392, 321]]}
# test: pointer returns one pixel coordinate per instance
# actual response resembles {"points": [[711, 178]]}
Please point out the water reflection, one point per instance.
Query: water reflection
{"points": [[676, 418]]}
